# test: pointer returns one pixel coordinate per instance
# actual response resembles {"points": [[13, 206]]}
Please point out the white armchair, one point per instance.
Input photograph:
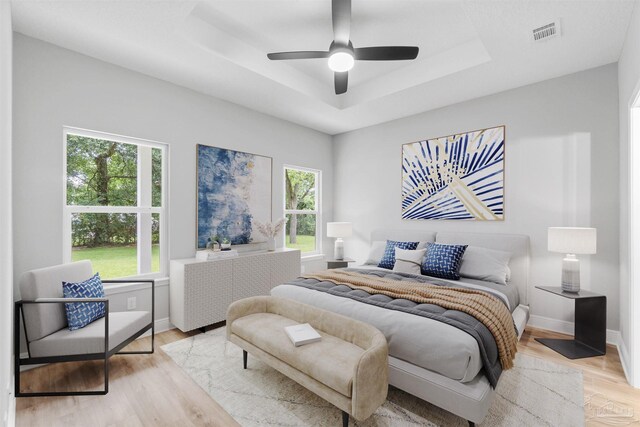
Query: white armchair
{"points": [[45, 324]]}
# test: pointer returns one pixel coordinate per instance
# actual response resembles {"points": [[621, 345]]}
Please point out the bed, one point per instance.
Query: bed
{"points": [[441, 364]]}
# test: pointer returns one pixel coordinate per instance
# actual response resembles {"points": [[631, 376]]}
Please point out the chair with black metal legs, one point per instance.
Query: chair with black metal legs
{"points": [[42, 313]]}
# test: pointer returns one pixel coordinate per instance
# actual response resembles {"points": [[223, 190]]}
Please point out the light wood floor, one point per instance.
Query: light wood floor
{"points": [[151, 390]]}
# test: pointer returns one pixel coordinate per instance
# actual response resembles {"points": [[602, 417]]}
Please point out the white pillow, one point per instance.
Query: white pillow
{"points": [[486, 264], [409, 261], [377, 251]]}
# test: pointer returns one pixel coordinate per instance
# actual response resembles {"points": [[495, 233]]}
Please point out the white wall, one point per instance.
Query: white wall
{"points": [[6, 245], [628, 84], [561, 170], [54, 87]]}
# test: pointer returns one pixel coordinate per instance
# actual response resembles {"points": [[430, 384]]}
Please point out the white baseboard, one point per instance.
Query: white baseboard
{"points": [[624, 360], [11, 411], [25, 355], [564, 327], [162, 325], [9, 407]]}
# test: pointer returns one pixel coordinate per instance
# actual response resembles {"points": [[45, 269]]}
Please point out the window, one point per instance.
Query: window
{"points": [[114, 208], [302, 209]]}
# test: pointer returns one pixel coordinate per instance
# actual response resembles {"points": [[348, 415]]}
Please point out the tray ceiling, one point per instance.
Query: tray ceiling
{"points": [[467, 49]]}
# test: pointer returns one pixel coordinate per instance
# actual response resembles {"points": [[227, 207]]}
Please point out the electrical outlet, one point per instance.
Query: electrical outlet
{"points": [[131, 303]]}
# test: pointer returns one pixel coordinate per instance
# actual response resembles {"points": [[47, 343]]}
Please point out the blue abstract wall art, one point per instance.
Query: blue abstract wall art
{"points": [[455, 177], [234, 191]]}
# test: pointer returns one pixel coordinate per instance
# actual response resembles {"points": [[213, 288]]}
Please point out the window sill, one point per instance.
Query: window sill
{"points": [[312, 257], [120, 288]]}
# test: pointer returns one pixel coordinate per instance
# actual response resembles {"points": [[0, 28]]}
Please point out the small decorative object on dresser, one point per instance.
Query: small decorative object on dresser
{"points": [[212, 244], [270, 230], [211, 255], [590, 327], [225, 244], [571, 241], [339, 230]]}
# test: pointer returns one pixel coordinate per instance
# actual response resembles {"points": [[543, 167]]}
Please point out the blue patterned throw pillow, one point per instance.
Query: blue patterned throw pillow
{"points": [[443, 260], [80, 314], [389, 258]]}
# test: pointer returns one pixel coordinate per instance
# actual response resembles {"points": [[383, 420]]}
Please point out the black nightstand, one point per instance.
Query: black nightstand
{"points": [[339, 263], [590, 327]]}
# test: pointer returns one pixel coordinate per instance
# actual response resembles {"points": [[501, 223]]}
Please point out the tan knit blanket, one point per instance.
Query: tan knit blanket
{"points": [[489, 310]]}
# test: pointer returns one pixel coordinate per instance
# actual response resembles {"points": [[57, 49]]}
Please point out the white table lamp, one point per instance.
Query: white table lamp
{"points": [[571, 241], [339, 230]]}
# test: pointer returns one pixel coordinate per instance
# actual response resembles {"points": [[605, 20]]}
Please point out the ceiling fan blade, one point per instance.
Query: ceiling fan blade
{"points": [[341, 80], [341, 18], [302, 54], [386, 53]]}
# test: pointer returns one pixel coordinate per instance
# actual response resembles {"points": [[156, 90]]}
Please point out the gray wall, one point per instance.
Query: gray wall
{"points": [[561, 170], [54, 87], [6, 249], [628, 81]]}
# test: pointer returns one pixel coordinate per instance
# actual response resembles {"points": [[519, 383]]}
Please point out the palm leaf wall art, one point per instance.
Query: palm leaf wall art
{"points": [[455, 177]]}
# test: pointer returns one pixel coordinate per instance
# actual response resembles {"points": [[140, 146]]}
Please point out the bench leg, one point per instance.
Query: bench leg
{"points": [[244, 358], [345, 419]]}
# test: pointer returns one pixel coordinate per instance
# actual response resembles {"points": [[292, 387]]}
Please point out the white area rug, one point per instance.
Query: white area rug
{"points": [[534, 393]]}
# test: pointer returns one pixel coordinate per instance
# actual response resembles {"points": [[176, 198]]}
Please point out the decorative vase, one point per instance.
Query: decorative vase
{"points": [[271, 243]]}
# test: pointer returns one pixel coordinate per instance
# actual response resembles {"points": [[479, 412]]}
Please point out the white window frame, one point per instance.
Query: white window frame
{"points": [[317, 211], [143, 251]]}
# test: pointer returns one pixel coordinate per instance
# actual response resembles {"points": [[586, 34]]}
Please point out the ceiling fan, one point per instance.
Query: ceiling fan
{"points": [[342, 54]]}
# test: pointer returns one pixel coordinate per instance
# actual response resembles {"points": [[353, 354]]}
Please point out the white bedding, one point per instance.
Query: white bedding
{"points": [[418, 340]]}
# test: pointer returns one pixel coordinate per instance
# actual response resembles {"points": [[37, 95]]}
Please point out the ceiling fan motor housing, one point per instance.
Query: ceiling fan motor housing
{"points": [[339, 47]]}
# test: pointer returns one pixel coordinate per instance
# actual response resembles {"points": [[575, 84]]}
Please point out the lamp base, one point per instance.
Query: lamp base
{"points": [[338, 249], [571, 274]]}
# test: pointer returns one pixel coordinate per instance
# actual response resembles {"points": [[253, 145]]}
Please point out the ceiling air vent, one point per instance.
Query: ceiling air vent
{"points": [[546, 32]]}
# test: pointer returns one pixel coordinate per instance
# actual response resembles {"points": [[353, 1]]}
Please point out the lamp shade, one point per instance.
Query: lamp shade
{"points": [[339, 229], [572, 240]]}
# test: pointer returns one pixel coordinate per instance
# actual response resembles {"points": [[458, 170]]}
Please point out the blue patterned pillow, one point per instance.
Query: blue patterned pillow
{"points": [[80, 314], [389, 257], [443, 260]]}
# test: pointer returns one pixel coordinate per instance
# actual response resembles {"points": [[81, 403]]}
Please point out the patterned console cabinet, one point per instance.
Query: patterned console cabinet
{"points": [[201, 291]]}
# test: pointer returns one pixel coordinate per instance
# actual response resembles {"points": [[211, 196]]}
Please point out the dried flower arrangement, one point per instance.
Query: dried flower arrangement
{"points": [[270, 229]]}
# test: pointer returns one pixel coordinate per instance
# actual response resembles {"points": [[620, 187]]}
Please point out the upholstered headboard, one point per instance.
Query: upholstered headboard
{"points": [[516, 244], [403, 235]]}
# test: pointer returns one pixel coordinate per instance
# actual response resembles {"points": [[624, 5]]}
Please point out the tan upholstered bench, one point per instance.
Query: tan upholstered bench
{"points": [[347, 368]]}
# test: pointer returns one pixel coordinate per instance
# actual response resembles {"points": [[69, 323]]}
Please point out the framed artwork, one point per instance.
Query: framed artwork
{"points": [[455, 177], [234, 191]]}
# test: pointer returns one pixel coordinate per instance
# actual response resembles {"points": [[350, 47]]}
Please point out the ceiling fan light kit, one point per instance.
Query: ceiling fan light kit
{"points": [[341, 61], [341, 54]]}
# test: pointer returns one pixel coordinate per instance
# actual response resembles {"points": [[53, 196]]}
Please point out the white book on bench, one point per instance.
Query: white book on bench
{"points": [[302, 334]]}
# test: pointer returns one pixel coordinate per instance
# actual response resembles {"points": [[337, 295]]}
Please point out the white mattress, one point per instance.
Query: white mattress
{"points": [[421, 341]]}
